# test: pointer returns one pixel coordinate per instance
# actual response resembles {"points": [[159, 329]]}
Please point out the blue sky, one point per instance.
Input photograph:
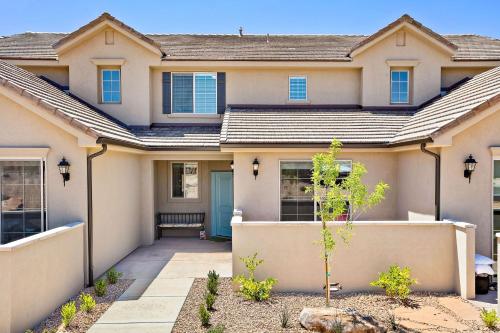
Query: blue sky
{"points": [[256, 16]]}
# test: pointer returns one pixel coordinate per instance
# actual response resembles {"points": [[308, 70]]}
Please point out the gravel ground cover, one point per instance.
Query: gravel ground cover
{"points": [[242, 316], [83, 321]]}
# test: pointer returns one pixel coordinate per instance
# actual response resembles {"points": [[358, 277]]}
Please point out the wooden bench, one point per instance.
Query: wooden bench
{"points": [[179, 221]]}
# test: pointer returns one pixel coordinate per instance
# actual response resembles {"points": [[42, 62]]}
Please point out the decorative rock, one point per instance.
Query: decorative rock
{"points": [[328, 320]]}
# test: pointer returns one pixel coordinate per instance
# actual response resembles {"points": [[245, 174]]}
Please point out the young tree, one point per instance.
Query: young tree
{"points": [[335, 198]]}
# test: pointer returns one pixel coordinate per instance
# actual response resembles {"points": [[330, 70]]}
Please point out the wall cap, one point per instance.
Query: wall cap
{"points": [[12, 246], [356, 223]]}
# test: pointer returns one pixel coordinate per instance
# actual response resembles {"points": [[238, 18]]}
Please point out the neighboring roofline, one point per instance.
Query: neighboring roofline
{"points": [[68, 40], [144, 147], [391, 27]]}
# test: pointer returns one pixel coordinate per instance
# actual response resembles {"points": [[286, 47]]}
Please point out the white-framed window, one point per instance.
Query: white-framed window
{"points": [[184, 180], [295, 177], [23, 209], [496, 204], [400, 86], [297, 88], [111, 86], [194, 93]]}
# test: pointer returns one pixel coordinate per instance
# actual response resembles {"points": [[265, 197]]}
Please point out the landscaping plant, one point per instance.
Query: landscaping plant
{"points": [[113, 275], [489, 318], [209, 300], [339, 198], [284, 317], [217, 329], [87, 302], [396, 282], [68, 312], [101, 287], [249, 287], [204, 315], [213, 282]]}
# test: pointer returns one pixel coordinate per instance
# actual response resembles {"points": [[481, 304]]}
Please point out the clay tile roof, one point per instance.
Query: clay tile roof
{"points": [[474, 96], [105, 17], [408, 19]]}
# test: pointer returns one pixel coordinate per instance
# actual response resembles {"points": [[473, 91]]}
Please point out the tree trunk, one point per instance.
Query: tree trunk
{"points": [[327, 272]]}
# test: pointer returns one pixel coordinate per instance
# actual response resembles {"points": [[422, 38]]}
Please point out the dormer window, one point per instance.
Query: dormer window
{"points": [[400, 86], [111, 86]]}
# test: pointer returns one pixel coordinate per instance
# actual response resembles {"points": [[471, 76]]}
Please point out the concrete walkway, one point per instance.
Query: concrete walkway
{"points": [[163, 273]]}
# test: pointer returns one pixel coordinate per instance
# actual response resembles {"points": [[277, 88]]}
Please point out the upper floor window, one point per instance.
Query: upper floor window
{"points": [[111, 86], [194, 93], [297, 88], [400, 86]]}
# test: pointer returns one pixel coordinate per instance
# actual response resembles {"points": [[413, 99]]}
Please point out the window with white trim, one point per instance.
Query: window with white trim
{"points": [[297, 88], [295, 177], [111, 86], [185, 180], [22, 195], [400, 86], [194, 93]]}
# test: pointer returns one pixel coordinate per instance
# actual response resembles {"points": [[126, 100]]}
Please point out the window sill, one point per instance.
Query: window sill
{"points": [[193, 115], [304, 102]]}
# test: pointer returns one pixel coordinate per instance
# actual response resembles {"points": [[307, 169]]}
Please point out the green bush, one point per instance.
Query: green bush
{"points": [[217, 329], [49, 330], [213, 282], [204, 315], [113, 275], [87, 302], [101, 287], [68, 313], [396, 282], [210, 300], [29, 331], [489, 318], [249, 287]]}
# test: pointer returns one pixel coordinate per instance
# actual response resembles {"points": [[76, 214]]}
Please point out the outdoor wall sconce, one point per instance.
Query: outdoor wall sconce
{"points": [[232, 165], [470, 165], [255, 165], [64, 170]]}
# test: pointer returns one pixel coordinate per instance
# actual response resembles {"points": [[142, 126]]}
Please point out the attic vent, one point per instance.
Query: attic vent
{"points": [[109, 36], [400, 38]]}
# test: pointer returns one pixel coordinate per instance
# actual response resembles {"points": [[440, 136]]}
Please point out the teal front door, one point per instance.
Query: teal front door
{"points": [[222, 203]]}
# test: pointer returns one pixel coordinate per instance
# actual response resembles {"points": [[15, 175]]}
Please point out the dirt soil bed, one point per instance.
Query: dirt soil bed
{"points": [[83, 321], [242, 316]]}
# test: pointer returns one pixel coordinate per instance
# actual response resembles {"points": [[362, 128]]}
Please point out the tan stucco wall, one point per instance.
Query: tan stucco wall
{"points": [[165, 203], [471, 202], [432, 250], [117, 208], [259, 198], [58, 74], [376, 72], [26, 129], [415, 186], [135, 106], [38, 274], [451, 75]]}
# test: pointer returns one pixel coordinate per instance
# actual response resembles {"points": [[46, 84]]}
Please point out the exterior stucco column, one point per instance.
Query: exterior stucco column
{"points": [[147, 201]]}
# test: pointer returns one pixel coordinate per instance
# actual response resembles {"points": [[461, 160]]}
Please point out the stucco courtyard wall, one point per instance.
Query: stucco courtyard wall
{"points": [[440, 254], [38, 274]]}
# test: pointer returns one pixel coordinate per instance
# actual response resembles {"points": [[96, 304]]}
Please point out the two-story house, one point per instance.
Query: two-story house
{"points": [[206, 123]]}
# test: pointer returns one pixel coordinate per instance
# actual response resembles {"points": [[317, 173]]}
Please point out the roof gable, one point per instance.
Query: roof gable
{"points": [[408, 22], [105, 20]]}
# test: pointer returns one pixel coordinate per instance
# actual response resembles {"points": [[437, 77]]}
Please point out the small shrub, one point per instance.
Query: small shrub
{"points": [[337, 326], [68, 313], [204, 315], [87, 302], [101, 287], [217, 329], [489, 318], [213, 282], [249, 287], [396, 282], [284, 317], [113, 275], [29, 331], [49, 330], [210, 300]]}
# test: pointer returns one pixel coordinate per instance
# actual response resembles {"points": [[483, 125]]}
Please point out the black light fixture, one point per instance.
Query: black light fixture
{"points": [[232, 165], [64, 170], [255, 165], [470, 165]]}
